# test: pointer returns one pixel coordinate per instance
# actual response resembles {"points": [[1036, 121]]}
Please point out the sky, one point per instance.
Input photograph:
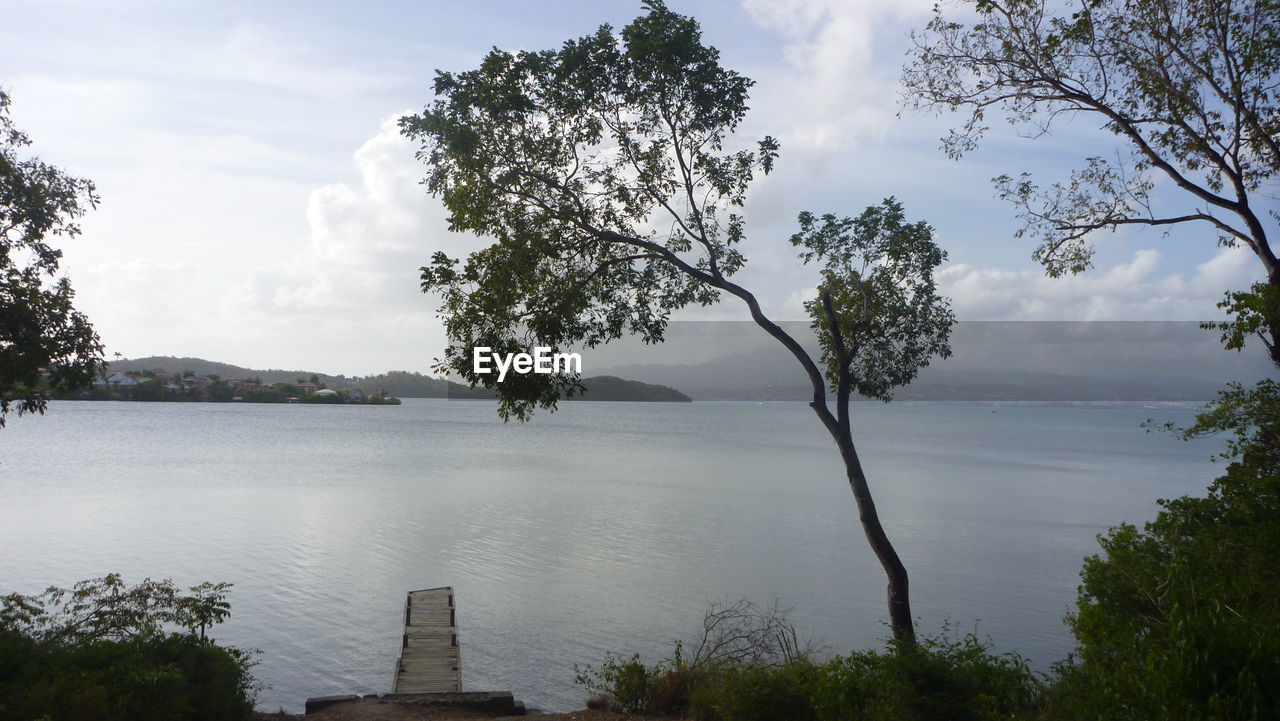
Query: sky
{"points": [[260, 208]]}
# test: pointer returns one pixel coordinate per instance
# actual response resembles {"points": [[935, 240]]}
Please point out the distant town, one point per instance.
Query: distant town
{"points": [[170, 378], [164, 385]]}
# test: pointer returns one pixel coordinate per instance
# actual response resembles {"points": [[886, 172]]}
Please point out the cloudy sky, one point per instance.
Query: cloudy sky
{"points": [[259, 207]]}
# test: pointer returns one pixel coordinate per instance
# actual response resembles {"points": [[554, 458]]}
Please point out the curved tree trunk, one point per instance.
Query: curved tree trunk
{"points": [[900, 618], [899, 587]]}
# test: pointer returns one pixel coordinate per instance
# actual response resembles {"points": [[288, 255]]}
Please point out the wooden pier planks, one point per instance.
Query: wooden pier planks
{"points": [[429, 660]]}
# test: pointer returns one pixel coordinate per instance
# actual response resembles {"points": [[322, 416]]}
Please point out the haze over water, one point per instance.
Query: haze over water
{"points": [[601, 527]]}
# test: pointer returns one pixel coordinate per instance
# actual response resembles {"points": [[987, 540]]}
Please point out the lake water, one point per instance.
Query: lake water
{"points": [[601, 527]]}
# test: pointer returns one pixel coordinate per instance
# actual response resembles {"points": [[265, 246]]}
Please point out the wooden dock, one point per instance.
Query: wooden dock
{"points": [[429, 660]]}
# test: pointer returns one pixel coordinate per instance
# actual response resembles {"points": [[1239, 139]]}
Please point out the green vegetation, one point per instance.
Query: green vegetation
{"points": [[408, 385], [45, 343], [1181, 619], [102, 650], [747, 668]]}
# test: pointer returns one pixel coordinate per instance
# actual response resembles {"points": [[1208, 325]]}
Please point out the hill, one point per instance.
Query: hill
{"points": [[401, 384], [599, 388]]}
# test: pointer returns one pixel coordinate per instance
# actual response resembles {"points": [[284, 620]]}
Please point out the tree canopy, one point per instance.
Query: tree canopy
{"points": [[1190, 87], [44, 341], [564, 156], [608, 177]]}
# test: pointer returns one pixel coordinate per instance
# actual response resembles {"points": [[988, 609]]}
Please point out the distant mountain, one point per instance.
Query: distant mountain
{"points": [[991, 360], [202, 367], [775, 376], [599, 388], [404, 384]]}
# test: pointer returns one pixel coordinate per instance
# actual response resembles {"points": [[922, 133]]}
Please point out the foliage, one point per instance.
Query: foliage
{"points": [[625, 684], [1253, 314], [1187, 85], [108, 609], [380, 397], [732, 635], [44, 340], [878, 315], [206, 607], [100, 650], [565, 157], [407, 385], [220, 391], [759, 692], [263, 395], [1250, 415], [340, 397], [1181, 619], [940, 677]]}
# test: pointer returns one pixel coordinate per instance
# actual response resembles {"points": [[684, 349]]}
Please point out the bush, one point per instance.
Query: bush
{"points": [[1181, 619], [745, 667], [161, 677], [942, 677], [99, 651], [756, 692], [625, 685]]}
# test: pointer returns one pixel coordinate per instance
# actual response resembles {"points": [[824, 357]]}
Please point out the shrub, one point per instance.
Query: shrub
{"points": [[1181, 619], [626, 685], [958, 679], [100, 651], [745, 667], [758, 692], [732, 636]]}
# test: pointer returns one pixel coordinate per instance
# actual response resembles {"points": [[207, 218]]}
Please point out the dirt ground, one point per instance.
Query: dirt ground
{"points": [[371, 710]]}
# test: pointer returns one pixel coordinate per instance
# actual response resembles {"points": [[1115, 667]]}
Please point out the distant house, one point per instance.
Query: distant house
{"points": [[306, 387], [326, 392], [121, 380]]}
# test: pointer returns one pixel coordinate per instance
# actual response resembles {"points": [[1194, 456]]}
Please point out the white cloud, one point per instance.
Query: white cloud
{"points": [[256, 53], [1132, 290], [351, 294], [140, 292], [834, 94]]}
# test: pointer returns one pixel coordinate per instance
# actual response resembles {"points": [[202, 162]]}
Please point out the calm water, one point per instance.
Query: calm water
{"points": [[604, 526]]}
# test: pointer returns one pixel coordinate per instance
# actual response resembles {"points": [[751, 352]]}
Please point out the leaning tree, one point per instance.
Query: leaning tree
{"points": [[45, 343], [601, 172], [1191, 89]]}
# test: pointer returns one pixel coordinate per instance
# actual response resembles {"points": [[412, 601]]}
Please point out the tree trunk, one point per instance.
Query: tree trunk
{"points": [[1272, 319], [900, 618]]}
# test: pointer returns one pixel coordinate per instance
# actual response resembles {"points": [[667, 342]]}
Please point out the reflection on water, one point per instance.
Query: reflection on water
{"points": [[601, 527]]}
